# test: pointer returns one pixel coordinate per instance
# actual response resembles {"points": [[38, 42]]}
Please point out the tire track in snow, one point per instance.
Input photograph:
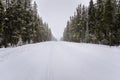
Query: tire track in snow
{"points": [[50, 75]]}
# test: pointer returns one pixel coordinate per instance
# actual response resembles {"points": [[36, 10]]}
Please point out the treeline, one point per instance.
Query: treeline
{"points": [[20, 23], [99, 23]]}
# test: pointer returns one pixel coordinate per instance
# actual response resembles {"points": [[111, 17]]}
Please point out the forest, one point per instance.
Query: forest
{"points": [[99, 23], [20, 23]]}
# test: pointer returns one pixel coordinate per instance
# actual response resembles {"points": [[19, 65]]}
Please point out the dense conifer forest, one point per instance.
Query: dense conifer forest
{"points": [[99, 23], [20, 23]]}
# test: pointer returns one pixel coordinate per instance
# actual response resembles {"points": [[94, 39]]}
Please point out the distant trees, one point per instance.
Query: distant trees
{"points": [[20, 24], [99, 23], [77, 26]]}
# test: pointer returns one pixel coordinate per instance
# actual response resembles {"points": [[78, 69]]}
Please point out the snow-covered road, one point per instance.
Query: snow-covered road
{"points": [[60, 61]]}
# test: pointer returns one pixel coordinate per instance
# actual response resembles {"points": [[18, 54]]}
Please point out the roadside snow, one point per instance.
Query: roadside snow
{"points": [[60, 61]]}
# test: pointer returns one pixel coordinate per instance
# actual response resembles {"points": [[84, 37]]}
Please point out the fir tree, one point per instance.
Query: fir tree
{"points": [[99, 20], [108, 23], [91, 22], [1, 21], [84, 24], [116, 33]]}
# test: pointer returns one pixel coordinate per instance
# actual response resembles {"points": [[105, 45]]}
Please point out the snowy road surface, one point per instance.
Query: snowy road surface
{"points": [[60, 61]]}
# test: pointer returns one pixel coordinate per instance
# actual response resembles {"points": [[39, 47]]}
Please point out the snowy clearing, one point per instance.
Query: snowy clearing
{"points": [[60, 61]]}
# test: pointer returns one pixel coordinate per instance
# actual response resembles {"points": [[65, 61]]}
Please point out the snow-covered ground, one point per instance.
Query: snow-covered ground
{"points": [[60, 61]]}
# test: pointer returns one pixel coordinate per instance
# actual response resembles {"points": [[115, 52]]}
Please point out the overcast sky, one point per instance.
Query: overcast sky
{"points": [[57, 12]]}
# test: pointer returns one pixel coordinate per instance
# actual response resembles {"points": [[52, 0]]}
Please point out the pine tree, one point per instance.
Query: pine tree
{"points": [[84, 24], [8, 29], [34, 21], [66, 35], [91, 22], [1, 21], [35, 9], [99, 20], [78, 24], [27, 4], [27, 30], [116, 39], [108, 23], [13, 23]]}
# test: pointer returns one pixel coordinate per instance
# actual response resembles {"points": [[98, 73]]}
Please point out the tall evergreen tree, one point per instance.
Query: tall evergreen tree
{"points": [[108, 23], [116, 33], [99, 20], [28, 18], [91, 22], [1, 21], [66, 35], [78, 24], [84, 24]]}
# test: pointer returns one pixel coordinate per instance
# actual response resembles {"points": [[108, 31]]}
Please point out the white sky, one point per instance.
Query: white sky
{"points": [[57, 12]]}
